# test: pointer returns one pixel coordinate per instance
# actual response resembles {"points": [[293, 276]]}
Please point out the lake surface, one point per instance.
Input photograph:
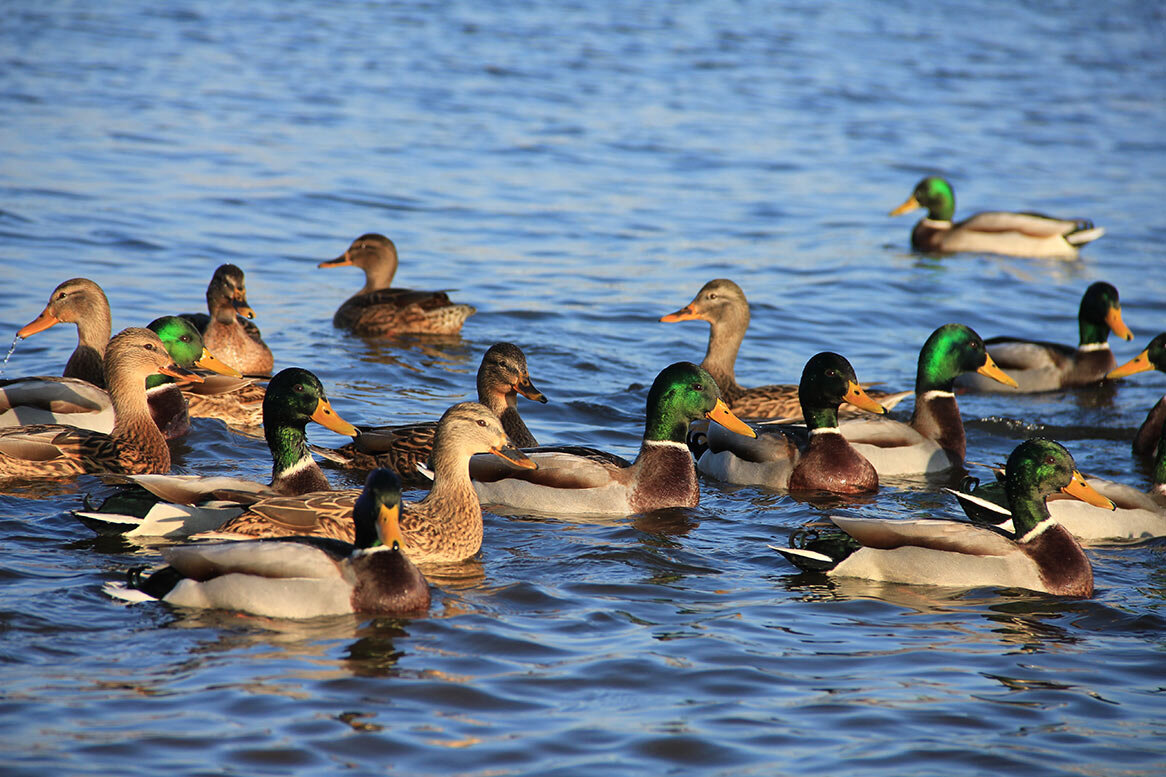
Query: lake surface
{"points": [[577, 170]]}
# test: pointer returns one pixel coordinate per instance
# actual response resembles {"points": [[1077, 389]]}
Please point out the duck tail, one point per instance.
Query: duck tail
{"points": [[1085, 233]]}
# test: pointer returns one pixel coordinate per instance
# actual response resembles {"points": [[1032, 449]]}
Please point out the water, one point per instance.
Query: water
{"points": [[576, 171]]}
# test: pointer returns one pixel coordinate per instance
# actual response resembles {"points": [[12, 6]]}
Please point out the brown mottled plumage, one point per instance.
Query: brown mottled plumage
{"points": [[236, 340], [78, 301]]}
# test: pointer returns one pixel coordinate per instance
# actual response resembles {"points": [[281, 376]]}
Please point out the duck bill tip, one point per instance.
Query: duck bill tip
{"points": [[908, 206], [856, 396], [1139, 363], [514, 456], [1117, 325], [389, 526], [326, 417], [181, 373], [722, 415], [1079, 488], [340, 261], [990, 370], [208, 361], [684, 314], [38, 324]]}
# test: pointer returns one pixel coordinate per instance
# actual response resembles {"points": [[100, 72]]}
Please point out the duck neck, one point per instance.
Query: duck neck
{"points": [[937, 417], [1096, 334], [725, 337], [293, 470], [820, 417], [452, 486], [223, 312], [1030, 514], [134, 427], [379, 275], [1160, 460]]}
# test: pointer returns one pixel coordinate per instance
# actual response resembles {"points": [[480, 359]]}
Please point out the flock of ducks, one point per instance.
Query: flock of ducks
{"points": [[295, 547]]}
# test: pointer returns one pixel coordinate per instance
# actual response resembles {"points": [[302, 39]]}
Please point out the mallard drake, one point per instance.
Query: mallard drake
{"points": [[78, 301], [722, 303], [78, 403], [298, 577], [1041, 366], [444, 527], [583, 481], [181, 505], [996, 232], [378, 310], [1039, 554], [502, 376], [810, 459], [934, 440], [135, 445], [227, 330], [1150, 432]]}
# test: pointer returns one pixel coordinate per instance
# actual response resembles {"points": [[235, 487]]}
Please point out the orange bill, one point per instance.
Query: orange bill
{"points": [[686, 313], [1139, 363], [1113, 318], [908, 206], [514, 456], [208, 361], [325, 416], [340, 261], [389, 527], [1086, 493], [38, 324], [724, 416], [527, 389], [183, 374], [989, 369], [862, 400]]}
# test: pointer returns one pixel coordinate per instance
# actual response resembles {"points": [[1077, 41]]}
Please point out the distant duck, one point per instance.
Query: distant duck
{"points": [[812, 459], [997, 232], [502, 376], [573, 480], [722, 303], [1042, 366], [226, 330], [378, 309], [1152, 358], [1039, 554], [78, 301], [297, 577], [135, 445], [934, 441]]}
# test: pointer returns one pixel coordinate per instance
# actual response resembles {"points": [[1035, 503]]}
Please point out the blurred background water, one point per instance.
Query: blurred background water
{"points": [[576, 170]]}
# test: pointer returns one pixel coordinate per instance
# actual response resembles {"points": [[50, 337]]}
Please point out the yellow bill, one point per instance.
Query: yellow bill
{"points": [[724, 416], [908, 206], [389, 527], [1079, 489], [325, 416], [208, 361], [38, 324], [862, 400], [1113, 318], [1139, 363], [989, 369]]}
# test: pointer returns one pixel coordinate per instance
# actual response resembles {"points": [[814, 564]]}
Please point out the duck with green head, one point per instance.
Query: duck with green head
{"points": [[185, 345], [297, 577], [1146, 442], [816, 458], [1042, 366], [934, 441], [996, 232], [1038, 554], [585, 481]]}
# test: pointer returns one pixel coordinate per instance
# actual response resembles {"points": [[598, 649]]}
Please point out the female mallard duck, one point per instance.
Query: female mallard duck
{"points": [[502, 376], [444, 527], [934, 440], [236, 340], [78, 301], [1040, 366], [378, 310], [782, 457], [722, 303], [78, 403], [298, 577], [1039, 554], [181, 505], [135, 445], [583, 481], [996, 232], [1152, 358]]}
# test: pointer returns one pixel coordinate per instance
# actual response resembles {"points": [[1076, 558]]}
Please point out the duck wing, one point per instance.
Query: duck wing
{"points": [[558, 467], [1035, 225], [292, 557], [934, 534]]}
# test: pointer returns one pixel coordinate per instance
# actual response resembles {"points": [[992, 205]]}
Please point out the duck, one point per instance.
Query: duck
{"points": [[378, 310], [177, 506], [444, 527], [584, 481], [297, 577], [996, 232], [1153, 357], [934, 440], [1041, 366], [816, 458], [1039, 554], [722, 303], [79, 403], [227, 330], [134, 446], [502, 376], [82, 302]]}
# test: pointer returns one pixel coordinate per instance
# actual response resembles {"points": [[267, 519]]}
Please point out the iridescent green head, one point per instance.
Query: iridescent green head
{"points": [[828, 380], [933, 193], [682, 393], [184, 344], [1036, 469], [293, 398], [1153, 357], [951, 351], [1100, 313]]}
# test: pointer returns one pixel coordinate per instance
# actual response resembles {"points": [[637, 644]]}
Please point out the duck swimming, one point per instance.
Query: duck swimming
{"points": [[228, 330]]}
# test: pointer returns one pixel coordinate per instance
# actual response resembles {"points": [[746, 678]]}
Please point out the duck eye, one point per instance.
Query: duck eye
{"points": [[698, 386], [831, 373], [185, 338], [62, 295], [712, 295], [149, 346], [299, 388], [1050, 460], [482, 423]]}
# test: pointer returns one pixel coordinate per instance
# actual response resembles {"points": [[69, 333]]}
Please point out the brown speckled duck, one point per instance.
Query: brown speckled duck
{"points": [[502, 376], [135, 445], [78, 301], [378, 310], [722, 303], [226, 331], [821, 459], [444, 527]]}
